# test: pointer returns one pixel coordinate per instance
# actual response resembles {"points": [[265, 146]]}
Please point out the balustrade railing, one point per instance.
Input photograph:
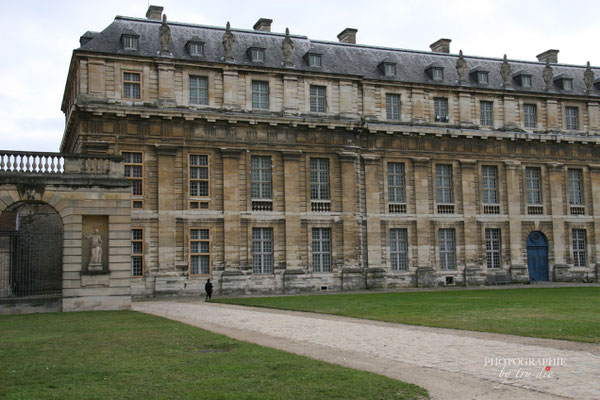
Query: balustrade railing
{"points": [[27, 162]]}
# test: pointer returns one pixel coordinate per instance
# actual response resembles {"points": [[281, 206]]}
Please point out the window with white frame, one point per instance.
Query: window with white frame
{"points": [[260, 95], [392, 106], [196, 49], [443, 179], [132, 85], [579, 246], [437, 73], [130, 42], [315, 60], [575, 187], [321, 249], [526, 81], [389, 69], [533, 183], [262, 250], [137, 252], [493, 248], [257, 55], [440, 106], [489, 184], [198, 176], [530, 115], [482, 77], [198, 90], [485, 108], [572, 118], [395, 173], [319, 179], [567, 84], [318, 99], [398, 249], [447, 249], [261, 186], [134, 173], [199, 252]]}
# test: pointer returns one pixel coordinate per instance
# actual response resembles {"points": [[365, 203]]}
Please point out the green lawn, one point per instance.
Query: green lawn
{"points": [[559, 313], [128, 355]]}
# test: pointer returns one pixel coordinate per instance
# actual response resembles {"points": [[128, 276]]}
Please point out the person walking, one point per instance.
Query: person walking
{"points": [[208, 289]]}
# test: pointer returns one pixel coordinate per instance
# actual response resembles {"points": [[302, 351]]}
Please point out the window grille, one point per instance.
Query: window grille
{"points": [[579, 246], [257, 55], [493, 248], [485, 108], [319, 179], [134, 172], [530, 115], [198, 90], [321, 249], [137, 252], [260, 177], [395, 182], [199, 252], [575, 187], [315, 60], [447, 249], [437, 73], [489, 183], [132, 85], [392, 106], [440, 106], [571, 116], [260, 95], [198, 176], [262, 250], [318, 99], [534, 193], [443, 174], [398, 250]]}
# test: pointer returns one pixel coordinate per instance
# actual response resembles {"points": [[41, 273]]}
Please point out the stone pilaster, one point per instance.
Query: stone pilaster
{"points": [[166, 204], [96, 77], [230, 90], [552, 122], [513, 171], [593, 118], [290, 94], [291, 165], [231, 207], [556, 173], [373, 211], [349, 163], [510, 117], [595, 210], [166, 83], [418, 105], [422, 172], [464, 105], [469, 211]]}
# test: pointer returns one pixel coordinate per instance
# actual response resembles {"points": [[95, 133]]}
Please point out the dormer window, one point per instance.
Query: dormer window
{"points": [[387, 67], [564, 82], [435, 72], [523, 79], [567, 84], [129, 42], [195, 48], [482, 77], [315, 60], [257, 54], [526, 81]]}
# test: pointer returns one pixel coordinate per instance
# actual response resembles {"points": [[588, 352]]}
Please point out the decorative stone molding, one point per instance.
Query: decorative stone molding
{"points": [[461, 68], [420, 161], [511, 164], [548, 75], [588, 78], [164, 35], [230, 153], [291, 155], [348, 157], [287, 46], [228, 41], [505, 72]]}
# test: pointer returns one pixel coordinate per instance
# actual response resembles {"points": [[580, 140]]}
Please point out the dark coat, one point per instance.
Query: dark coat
{"points": [[208, 287]]}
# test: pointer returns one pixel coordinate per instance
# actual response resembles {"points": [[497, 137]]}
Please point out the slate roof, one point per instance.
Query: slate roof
{"points": [[338, 58]]}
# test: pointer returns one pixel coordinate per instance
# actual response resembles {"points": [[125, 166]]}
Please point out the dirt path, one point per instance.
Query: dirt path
{"points": [[451, 364]]}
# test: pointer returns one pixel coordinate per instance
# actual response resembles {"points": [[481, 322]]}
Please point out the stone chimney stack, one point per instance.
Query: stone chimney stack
{"points": [[441, 46], [550, 55], [348, 35], [154, 12], [263, 25]]}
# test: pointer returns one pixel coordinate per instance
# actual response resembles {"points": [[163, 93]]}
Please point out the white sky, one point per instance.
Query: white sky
{"points": [[38, 37]]}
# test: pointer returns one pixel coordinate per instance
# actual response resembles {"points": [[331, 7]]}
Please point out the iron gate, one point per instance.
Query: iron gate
{"points": [[31, 262]]}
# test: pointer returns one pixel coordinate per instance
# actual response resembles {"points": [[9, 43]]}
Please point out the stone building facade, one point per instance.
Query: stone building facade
{"points": [[271, 162]]}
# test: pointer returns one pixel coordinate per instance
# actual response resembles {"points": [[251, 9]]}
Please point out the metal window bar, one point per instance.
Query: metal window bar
{"points": [[493, 248], [447, 249], [198, 90], [575, 187], [319, 179], [444, 183], [321, 249], [398, 250], [261, 177], [262, 250], [489, 178], [532, 177], [579, 248]]}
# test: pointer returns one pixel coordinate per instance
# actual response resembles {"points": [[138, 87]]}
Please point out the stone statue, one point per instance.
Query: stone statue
{"points": [[95, 250], [548, 75], [228, 41], [461, 67], [505, 72], [164, 35], [288, 47], [588, 78]]}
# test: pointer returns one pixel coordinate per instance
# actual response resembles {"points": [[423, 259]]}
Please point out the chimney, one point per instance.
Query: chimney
{"points": [[154, 12], [550, 55], [348, 35], [441, 46], [263, 25]]}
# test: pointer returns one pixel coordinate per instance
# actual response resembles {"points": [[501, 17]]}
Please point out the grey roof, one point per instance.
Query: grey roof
{"points": [[338, 58]]}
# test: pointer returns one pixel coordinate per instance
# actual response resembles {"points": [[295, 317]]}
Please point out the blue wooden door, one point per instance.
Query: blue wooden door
{"points": [[537, 257]]}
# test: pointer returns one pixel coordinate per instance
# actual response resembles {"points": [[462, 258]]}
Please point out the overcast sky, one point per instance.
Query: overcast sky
{"points": [[38, 38]]}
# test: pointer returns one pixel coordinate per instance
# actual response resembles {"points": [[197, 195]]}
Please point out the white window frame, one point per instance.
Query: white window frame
{"points": [[529, 117], [489, 184], [198, 90], [262, 250], [447, 248], [260, 95], [321, 249], [579, 239], [486, 113], [533, 185], [261, 177], [318, 98], [392, 106], [575, 177], [440, 108], [444, 184], [399, 249], [493, 248]]}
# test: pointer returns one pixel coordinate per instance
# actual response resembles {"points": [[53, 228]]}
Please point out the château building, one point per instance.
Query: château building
{"points": [[272, 162]]}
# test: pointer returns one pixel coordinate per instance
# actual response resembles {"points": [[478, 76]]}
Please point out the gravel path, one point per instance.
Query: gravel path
{"points": [[451, 364]]}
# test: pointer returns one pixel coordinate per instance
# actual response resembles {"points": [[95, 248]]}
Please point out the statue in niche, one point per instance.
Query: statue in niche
{"points": [[461, 67], [95, 251], [165, 35], [288, 47], [588, 78], [228, 41], [505, 72], [548, 75]]}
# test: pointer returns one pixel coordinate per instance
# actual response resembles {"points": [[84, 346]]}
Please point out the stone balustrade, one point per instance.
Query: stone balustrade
{"points": [[27, 162]]}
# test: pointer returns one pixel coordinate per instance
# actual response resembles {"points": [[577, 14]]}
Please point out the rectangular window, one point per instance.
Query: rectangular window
{"points": [[258, 55], [130, 42], [447, 249], [489, 183], [399, 249], [485, 108], [319, 179], [198, 175], [137, 252], [315, 60], [196, 49], [392, 106], [396, 182], [571, 117], [198, 90], [440, 105], [132, 85], [134, 172], [575, 187], [389, 69], [526, 81], [318, 99], [482, 77], [437, 73], [533, 181], [493, 249], [530, 115], [568, 84], [579, 245], [262, 250], [321, 249], [443, 174], [260, 95], [199, 252], [260, 177]]}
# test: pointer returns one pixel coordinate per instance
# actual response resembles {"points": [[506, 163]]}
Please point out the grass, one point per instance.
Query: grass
{"points": [[557, 313], [128, 355]]}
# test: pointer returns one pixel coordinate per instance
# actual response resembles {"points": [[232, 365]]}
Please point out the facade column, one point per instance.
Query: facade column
{"points": [[474, 272], [166, 84], [510, 120], [373, 211], [349, 163], [464, 106], [595, 212], [291, 166], [230, 90], [425, 272], [557, 205], [166, 204], [552, 110], [231, 208], [518, 269]]}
